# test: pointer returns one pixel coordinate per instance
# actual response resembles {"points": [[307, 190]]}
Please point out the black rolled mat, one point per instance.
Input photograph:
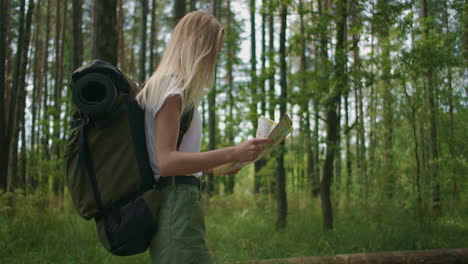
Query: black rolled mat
{"points": [[95, 95]]}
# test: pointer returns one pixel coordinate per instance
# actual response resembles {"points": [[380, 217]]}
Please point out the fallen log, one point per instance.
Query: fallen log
{"points": [[432, 256]]}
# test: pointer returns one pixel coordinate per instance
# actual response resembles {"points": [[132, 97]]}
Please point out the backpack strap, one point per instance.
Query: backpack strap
{"points": [[185, 122], [86, 162]]}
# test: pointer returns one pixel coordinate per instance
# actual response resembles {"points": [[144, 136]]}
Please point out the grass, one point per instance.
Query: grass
{"points": [[238, 228]]}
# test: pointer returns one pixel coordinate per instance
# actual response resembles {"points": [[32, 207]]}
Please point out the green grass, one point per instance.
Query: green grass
{"points": [[238, 228]]}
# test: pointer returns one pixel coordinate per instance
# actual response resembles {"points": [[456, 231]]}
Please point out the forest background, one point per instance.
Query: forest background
{"points": [[377, 91]]}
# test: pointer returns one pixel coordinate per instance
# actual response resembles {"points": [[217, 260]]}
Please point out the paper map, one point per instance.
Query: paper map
{"points": [[266, 128]]}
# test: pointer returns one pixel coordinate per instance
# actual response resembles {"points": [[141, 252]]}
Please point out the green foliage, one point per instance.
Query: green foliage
{"points": [[50, 235]]}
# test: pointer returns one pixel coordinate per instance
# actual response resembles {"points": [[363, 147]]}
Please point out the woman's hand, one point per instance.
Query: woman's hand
{"points": [[250, 149]]}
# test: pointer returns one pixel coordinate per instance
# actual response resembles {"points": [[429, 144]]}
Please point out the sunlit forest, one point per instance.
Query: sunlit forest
{"points": [[376, 91]]}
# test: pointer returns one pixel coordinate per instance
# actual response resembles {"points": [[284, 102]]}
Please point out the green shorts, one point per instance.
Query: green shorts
{"points": [[180, 236]]}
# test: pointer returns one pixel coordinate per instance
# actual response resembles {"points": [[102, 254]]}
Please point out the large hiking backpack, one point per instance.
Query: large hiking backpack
{"points": [[107, 164]]}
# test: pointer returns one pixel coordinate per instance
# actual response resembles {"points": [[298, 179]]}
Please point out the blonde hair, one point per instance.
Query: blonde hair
{"points": [[187, 63]]}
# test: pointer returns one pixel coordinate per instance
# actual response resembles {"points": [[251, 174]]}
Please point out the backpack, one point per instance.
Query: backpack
{"points": [[107, 166]]}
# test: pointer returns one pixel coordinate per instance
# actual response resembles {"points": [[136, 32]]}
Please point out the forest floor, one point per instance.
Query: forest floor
{"points": [[238, 228]]}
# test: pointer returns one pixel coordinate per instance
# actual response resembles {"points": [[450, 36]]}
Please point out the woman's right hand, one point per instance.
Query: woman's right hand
{"points": [[250, 149]]}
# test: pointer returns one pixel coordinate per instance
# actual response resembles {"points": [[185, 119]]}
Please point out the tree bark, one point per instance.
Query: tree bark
{"points": [[210, 187], [229, 69], [281, 196], [77, 41], [332, 118], [431, 105], [144, 20], [21, 101], [12, 121], [121, 39], [37, 83], [153, 48], [179, 10], [271, 76], [384, 42], [105, 35], [3, 125]]}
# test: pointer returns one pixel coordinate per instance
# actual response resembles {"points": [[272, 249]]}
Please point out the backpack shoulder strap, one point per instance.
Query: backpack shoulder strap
{"points": [[185, 122]]}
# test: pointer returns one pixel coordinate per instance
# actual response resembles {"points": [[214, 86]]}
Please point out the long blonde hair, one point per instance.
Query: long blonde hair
{"points": [[187, 63]]}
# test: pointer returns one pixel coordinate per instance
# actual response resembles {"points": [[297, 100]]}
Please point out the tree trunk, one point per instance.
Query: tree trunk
{"points": [[282, 202], [46, 111], [230, 43], [144, 19], [105, 35], [121, 39], [180, 9], [4, 17], [59, 39], [10, 145], [271, 76], [37, 82], [193, 5], [332, 118], [431, 104], [153, 48], [77, 38], [210, 187], [384, 42]]}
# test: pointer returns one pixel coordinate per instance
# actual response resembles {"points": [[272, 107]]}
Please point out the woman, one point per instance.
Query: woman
{"points": [[185, 73]]}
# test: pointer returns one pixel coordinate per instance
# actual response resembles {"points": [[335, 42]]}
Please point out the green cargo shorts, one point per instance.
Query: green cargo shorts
{"points": [[180, 235]]}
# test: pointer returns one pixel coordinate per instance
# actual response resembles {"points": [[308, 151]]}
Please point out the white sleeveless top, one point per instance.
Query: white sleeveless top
{"points": [[191, 141]]}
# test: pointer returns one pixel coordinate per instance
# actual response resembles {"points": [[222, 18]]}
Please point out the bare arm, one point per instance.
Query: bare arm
{"points": [[172, 162]]}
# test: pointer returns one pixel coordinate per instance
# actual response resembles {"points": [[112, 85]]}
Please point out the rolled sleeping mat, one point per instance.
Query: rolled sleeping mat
{"points": [[95, 95]]}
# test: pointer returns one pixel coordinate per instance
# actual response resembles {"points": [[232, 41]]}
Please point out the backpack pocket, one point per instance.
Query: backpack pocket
{"points": [[128, 230]]}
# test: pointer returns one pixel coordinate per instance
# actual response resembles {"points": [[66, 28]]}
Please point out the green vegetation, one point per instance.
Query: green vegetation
{"points": [[239, 227]]}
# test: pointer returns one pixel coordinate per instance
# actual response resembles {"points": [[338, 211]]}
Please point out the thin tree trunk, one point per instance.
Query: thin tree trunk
{"points": [[282, 202], [431, 104], [56, 145], [46, 111], [4, 16], [144, 20], [37, 82], [271, 76], [121, 39], [14, 103], [229, 69], [210, 187], [332, 117], [258, 184], [384, 42], [153, 48]]}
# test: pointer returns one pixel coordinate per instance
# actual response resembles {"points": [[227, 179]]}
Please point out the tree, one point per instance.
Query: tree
{"points": [[77, 39], [331, 116], [12, 121], [282, 202], [105, 35], [3, 125], [144, 16], [153, 39], [179, 10], [212, 115], [433, 142]]}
